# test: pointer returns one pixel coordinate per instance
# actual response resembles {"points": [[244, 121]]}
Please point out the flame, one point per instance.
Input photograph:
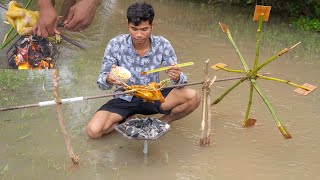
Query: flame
{"points": [[24, 60], [42, 65]]}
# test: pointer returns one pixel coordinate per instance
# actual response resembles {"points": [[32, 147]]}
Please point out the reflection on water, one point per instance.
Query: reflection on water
{"points": [[259, 152]]}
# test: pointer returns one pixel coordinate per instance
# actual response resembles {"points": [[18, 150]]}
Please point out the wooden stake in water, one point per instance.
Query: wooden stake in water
{"points": [[206, 108], [74, 158]]}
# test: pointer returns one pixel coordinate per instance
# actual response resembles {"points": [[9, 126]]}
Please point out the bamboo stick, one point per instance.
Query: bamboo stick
{"points": [[6, 43], [76, 99], [73, 42], [258, 42], [232, 70], [246, 122], [283, 81], [208, 138], [74, 158], [204, 125], [68, 100], [281, 127], [166, 68], [285, 50], [250, 122], [228, 91], [245, 65]]}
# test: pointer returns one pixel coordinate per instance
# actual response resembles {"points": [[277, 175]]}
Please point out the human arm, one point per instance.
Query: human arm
{"points": [[81, 15], [109, 61], [48, 21]]}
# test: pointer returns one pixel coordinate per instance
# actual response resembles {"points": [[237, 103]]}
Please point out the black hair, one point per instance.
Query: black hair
{"points": [[140, 12]]}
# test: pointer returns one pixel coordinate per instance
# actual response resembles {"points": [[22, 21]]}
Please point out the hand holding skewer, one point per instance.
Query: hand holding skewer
{"points": [[174, 73]]}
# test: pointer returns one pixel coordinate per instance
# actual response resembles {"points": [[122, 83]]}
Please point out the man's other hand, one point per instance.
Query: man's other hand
{"points": [[81, 14]]}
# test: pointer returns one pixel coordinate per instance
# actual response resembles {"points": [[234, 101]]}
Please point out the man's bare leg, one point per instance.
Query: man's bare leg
{"points": [[181, 102], [102, 122]]}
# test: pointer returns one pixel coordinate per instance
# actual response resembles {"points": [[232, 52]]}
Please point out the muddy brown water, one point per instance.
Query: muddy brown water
{"points": [[32, 147]]}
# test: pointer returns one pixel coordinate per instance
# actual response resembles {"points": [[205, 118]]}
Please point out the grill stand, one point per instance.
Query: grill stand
{"points": [[145, 147]]}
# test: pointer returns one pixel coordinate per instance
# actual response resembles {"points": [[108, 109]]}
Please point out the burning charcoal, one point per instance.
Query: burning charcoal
{"points": [[35, 52]]}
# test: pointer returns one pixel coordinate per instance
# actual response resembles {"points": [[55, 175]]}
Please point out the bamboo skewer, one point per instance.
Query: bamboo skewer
{"points": [[74, 158], [68, 100], [71, 41], [76, 99], [166, 68]]}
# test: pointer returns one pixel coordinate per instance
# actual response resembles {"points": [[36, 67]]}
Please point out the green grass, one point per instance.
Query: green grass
{"points": [[10, 80]]}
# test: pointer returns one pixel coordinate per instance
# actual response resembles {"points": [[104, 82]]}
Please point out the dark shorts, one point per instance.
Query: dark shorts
{"points": [[136, 106]]}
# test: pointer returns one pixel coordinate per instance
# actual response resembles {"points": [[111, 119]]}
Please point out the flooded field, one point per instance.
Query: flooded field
{"points": [[32, 146]]}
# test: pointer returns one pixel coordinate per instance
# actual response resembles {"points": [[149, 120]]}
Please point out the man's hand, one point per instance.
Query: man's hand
{"points": [[48, 22], [111, 79], [81, 15], [174, 73]]}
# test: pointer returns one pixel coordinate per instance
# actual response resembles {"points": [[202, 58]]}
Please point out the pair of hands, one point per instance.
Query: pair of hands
{"points": [[173, 72], [79, 17]]}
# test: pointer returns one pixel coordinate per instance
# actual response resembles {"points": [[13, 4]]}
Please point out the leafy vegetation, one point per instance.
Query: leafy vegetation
{"points": [[302, 14]]}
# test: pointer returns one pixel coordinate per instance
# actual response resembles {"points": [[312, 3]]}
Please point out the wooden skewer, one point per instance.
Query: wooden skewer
{"points": [[76, 99], [68, 100]]}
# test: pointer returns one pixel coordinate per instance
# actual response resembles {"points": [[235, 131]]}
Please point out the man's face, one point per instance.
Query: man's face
{"points": [[140, 34]]}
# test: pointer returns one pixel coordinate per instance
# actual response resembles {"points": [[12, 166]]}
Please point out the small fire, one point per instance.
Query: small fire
{"points": [[33, 53], [42, 65]]}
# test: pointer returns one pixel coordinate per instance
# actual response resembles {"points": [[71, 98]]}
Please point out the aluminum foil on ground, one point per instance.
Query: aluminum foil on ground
{"points": [[143, 129]]}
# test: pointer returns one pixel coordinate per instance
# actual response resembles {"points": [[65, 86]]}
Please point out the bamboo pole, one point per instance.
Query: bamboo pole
{"points": [[281, 127], [258, 42], [246, 121], [203, 131], [283, 81], [76, 99], [285, 50], [228, 91], [74, 158], [250, 122], [232, 70], [208, 138], [63, 101], [226, 30]]}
